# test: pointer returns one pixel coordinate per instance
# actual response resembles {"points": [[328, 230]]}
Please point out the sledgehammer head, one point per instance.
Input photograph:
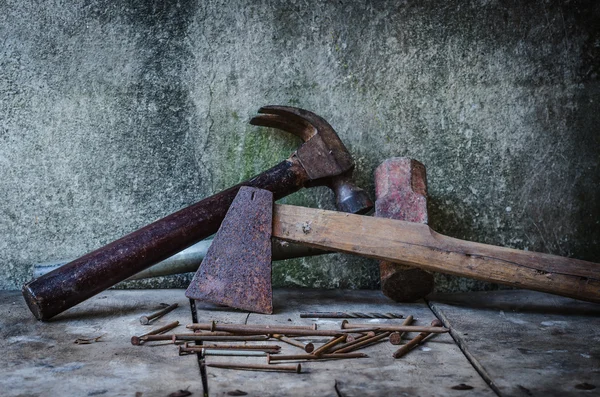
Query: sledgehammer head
{"points": [[236, 271], [323, 155]]}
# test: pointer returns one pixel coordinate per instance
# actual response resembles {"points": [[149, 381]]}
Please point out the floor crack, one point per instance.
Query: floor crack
{"points": [[200, 358], [462, 345], [337, 389]]}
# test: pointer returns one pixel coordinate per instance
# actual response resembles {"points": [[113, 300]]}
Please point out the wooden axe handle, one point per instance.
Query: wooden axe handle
{"points": [[418, 245]]}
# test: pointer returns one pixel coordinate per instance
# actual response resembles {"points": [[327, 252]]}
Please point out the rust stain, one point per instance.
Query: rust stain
{"points": [[236, 271]]}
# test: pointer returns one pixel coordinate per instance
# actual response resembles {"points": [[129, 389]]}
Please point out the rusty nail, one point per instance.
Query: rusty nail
{"points": [[352, 339], [215, 333], [415, 341], [360, 330], [195, 337], [356, 341], [259, 367], [154, 338], [395, 338], [335, 341], [234, 347], [136, 340], [217, 338], [202, 348], [292, 327], [313, 357], [145, 320], [307, 347], [392, 328], [373, 339], [213, 325], [364, 342], [212, 352], [171, 337], [260, 330]]}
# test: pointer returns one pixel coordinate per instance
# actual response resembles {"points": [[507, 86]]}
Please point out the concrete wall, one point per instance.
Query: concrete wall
{"points": [[114, 114]]}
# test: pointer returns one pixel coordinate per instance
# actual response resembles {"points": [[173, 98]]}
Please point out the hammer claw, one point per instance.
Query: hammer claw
{"points": [[323, 147], [301, 129], [298, 115]]}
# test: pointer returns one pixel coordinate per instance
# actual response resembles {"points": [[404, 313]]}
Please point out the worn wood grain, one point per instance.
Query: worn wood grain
{"points": [[417, 245], [527, 343]]}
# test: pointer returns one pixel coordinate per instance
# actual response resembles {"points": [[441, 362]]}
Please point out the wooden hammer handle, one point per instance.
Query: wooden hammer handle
{"points": [[417, 245]]}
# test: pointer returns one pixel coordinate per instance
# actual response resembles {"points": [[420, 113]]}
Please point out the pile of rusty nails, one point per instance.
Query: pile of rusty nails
{"points": [[342, 345]]}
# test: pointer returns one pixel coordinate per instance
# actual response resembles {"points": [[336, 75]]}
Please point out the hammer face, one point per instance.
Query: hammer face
{"points": [[236, 271]]}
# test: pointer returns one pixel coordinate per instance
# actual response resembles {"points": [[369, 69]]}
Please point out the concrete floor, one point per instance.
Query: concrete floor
{"points": [[508, 343]]}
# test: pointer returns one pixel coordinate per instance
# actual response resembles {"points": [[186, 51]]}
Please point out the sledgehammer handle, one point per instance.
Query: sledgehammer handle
{"points": [[417, 245], [91, 274]]}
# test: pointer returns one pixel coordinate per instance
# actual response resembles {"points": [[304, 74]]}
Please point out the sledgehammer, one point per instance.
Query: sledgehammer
{"points": [[401, 193], [418, 245]]}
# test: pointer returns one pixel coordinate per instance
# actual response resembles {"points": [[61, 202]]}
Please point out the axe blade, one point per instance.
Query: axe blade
{"points": [[236, 271]]}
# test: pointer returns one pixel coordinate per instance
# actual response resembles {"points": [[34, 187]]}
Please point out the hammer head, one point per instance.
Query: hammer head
{"points": [[236, 271], [323, 155]]}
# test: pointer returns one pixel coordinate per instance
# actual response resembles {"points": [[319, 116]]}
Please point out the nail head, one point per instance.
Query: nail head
{"points": [[309, 347], [395, 338]]}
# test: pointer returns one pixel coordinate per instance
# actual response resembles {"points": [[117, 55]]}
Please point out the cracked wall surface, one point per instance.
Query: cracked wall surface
{"points": [[114, 114]]}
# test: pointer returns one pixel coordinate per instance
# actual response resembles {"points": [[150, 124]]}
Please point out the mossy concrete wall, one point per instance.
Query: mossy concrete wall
{"points": [[116, 113]]}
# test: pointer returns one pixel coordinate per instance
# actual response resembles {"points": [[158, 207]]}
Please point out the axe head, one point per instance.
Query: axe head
{"points": [[236, 270]]}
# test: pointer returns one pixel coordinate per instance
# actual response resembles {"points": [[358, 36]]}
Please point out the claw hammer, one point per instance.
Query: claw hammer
{"points": [[321, 160]]}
